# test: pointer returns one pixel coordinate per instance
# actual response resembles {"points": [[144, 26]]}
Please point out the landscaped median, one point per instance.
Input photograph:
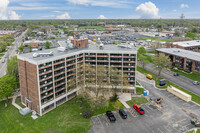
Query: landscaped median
{"points": [[198, 131], [195, 97], [66, 118]]}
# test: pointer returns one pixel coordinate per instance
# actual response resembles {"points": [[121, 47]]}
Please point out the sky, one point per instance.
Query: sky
{"points": [[98, 9]]}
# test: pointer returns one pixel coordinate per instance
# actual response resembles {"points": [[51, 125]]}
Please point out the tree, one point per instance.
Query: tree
{"points": [[191, 35], [142, 61], [3, 46], [141, 51], [161, 61], [30, 47], [8, 84], [21, 47], [117, 105], [177, 33], [12, 67], [47, 45]]}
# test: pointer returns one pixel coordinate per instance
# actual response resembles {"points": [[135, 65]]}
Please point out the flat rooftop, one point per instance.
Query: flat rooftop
{"points": [[188, 43], [181, 53], [59, 54]]}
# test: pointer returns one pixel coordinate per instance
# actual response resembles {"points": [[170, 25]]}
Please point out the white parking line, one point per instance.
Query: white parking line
{"points": [[167, 129], [160, 130]]}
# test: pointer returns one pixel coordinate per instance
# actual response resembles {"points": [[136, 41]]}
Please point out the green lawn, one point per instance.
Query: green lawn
{"points": [[151, 52], [65, 119], [198, 131], [91, 27], [137, 83], [148, 58], [154, 39], [195, 97], [137, 100], [188, 75], [139, 91]]}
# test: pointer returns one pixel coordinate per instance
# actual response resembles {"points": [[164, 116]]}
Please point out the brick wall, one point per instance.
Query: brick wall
{"points": [[80, 43], [29, 84]]}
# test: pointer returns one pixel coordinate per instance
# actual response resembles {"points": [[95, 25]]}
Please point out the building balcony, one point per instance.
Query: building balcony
{"points": [[59, 84], [129, 61], [71, 64], [59, 68], [67, 60], [46, 78], [50, 94], [128, 66], [102, 60], [48, 102], [59, 74], [43, 67], [46, 84], [60, 94], [57, 63], [129, 57], [104, 56], [59, 79], [42, 92], [45, 72], [60, 89]]}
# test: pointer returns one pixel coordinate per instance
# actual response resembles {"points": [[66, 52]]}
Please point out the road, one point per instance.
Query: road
{"points": [[11, 52], [181, 81]]}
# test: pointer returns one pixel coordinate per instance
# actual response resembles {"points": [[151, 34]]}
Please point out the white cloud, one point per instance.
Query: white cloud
{"points": [[174, 10], [49, 16], [13, 15], [3, 9], [104, 3], [4, 12], [64, 16], [184, 6], [148, 10], [57, 11], [101, 17]]}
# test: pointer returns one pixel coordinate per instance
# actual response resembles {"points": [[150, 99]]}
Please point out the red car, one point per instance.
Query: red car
{"points": [[138, 109]]}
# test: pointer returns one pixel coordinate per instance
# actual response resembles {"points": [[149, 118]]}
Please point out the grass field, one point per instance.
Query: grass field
{"points": [[64, 119], [137, 100], [188, 75], [154, 39], [195, 97], [139, 91], [198, 131]]}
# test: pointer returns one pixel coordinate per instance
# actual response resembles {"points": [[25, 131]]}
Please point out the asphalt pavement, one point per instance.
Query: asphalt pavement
{"points": [[11, 52], [181, 81]]}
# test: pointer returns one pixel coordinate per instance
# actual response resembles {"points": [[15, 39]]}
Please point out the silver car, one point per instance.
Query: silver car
{"points": [[195, 82]]}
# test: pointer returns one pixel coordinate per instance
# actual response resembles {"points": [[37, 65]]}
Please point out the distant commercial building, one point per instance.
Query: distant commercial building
{"points": [[51, 77], [185, 59], [187, 45], [6, 32], [79, 43]]}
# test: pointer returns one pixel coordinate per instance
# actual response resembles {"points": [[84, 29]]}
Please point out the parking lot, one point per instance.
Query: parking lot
{"points": [[172, 116]]}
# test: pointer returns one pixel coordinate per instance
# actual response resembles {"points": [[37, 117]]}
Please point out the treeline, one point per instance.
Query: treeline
{"points": [[6, 41], [159, 23]]}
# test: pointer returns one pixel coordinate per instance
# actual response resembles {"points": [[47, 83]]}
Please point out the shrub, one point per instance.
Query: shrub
{"points": [[114, 97], [87, 113]]}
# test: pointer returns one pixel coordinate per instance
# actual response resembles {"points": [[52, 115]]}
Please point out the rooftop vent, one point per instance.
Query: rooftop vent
{"points": [[35, 55]]}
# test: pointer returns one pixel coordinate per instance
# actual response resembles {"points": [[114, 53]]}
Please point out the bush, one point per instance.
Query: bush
{"points": [[114, 97], [87, 113]]}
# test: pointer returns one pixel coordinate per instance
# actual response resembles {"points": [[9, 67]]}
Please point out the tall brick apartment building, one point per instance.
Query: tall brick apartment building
{"points": [[49, 78]]}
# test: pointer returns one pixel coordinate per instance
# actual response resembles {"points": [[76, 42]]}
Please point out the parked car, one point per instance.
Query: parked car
{"points": [[122, 113], [149, 76], [110, 116], [176, 74], [3, 60], [138, 109], [195, 82]]}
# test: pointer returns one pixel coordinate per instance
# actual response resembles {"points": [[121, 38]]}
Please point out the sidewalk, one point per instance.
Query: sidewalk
{"points": [[125, 97]]}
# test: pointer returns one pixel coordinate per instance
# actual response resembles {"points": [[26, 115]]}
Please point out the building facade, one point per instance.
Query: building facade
{"points": [[186, 45], [185, 59], [47, 81]]}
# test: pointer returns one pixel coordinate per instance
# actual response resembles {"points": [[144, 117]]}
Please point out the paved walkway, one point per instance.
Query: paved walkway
{"points": [[14, 104], [125, 97]]}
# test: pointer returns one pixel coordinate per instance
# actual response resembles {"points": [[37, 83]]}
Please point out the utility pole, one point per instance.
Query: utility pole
{"points": [[182, 17]]}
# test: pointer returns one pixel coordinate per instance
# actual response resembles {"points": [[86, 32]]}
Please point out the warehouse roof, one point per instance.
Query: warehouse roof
{"points": [[188, 43]]}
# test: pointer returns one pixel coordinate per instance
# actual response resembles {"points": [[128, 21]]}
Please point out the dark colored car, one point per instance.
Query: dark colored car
{"points": [[110, 116], [176, 74], [138, 109], [123, 114]]}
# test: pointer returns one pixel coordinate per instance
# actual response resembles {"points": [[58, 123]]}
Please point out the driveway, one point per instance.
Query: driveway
{"points": [[179, 80]]}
